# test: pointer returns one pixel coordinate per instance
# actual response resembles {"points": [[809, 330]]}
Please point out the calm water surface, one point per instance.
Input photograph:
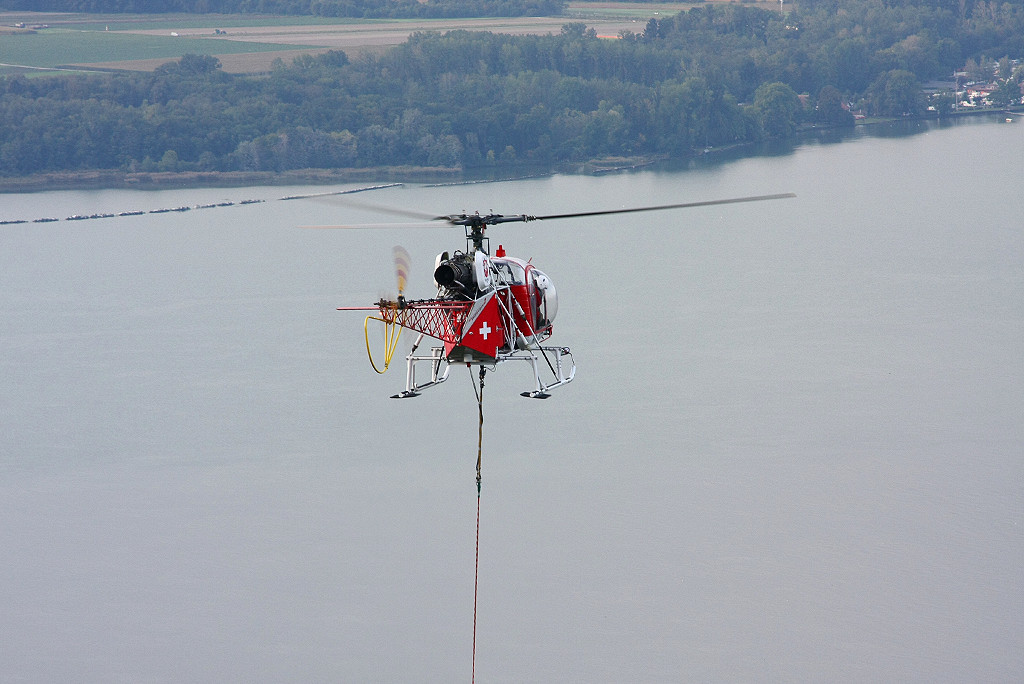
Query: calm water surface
{"points": [[792, 451]]}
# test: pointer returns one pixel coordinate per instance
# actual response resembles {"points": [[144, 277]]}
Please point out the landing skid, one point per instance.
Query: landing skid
{"points": [[439, 367], [407, 394], [438, 372], [554, 358]]}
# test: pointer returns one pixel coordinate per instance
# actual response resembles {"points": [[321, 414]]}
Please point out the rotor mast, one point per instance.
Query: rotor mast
{"points": [[476, 226]]}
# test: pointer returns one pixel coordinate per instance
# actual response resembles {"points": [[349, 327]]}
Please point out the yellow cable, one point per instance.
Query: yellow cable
{"points": [[390, 341]]}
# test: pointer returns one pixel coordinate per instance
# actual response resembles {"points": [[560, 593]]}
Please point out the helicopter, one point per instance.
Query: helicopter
{"points": [[489, 309]]}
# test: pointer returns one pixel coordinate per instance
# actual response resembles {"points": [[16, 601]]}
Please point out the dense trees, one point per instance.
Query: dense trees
{"points": [[896, 93], [715, 75], [777, 106]]}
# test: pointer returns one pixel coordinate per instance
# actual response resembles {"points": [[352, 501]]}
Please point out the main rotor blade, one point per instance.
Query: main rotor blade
{"points": [[685, 205], [364, 226], [379, 208], [431, 221]]}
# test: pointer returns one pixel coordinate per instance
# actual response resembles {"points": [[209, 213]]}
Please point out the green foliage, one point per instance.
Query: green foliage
{"points": [[896, 93], [777, 106], [1007, 93], [830, 110]]}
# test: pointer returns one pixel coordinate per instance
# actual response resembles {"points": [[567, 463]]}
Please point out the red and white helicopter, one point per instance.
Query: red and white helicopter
{"points": [[488, 309]]}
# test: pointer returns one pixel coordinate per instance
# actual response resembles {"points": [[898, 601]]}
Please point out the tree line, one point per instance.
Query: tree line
{"points": [[712, 76]]}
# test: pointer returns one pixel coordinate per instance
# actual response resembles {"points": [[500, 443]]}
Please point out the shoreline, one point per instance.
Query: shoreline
{"points": [[164, 180]]}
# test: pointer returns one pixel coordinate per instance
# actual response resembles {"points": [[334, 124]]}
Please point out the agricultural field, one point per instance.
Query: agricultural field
{"points": [[64, 48], [249, 43]]}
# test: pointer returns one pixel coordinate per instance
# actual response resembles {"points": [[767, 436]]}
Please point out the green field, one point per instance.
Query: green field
{"points": [[55, 47], [149, 22]]}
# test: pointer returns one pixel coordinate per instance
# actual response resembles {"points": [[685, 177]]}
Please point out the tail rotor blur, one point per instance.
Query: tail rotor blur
{"points": [[402, 262]]}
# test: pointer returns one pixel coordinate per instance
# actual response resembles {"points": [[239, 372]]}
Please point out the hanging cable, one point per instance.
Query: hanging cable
{"points": [[479, 461], [476, 581], [480, 428]]}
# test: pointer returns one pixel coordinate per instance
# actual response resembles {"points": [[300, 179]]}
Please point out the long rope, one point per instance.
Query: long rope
{"points": [[476, 583], [480, 429], [479, 461]]}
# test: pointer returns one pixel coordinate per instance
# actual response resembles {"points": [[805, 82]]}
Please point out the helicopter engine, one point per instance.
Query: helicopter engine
{"points": [[463, 273], [455, 273]]}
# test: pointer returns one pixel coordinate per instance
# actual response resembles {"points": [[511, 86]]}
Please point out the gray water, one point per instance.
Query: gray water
{"points": [[792, 451]]}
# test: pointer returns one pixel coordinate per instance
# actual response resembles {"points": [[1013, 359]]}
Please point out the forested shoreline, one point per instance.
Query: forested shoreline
{"points": [[716, 75]]}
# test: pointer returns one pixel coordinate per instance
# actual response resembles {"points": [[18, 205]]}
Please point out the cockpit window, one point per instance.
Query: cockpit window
{"points": [[508, 272], [547, 299]]}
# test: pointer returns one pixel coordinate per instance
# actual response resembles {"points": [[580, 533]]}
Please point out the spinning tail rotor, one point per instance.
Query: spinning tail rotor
{"points": [[392, 312], [402, 261]]}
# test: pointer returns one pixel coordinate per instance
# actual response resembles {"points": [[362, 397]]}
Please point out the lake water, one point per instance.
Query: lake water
{"points": [[792, 451]]}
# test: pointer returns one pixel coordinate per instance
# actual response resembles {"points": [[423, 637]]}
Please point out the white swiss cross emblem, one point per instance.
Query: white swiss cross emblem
{"points": [[485, 330]]}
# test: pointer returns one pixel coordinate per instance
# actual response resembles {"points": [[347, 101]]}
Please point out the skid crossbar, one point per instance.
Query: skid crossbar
{"points": [[439, 367]]}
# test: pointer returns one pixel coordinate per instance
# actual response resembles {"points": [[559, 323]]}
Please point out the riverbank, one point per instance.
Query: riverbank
{"points": [[113, 179], [94, 180]]}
